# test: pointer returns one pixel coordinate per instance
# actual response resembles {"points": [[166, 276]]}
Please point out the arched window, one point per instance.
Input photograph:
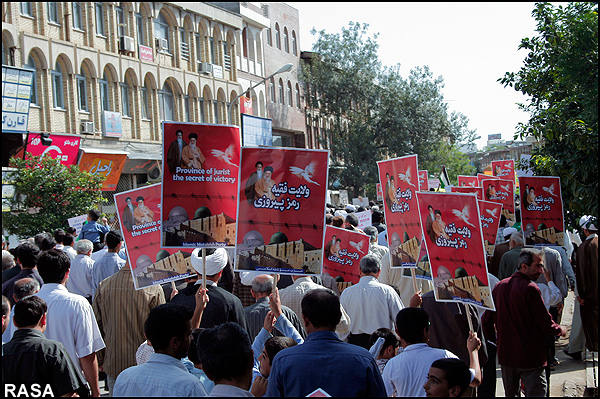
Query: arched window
{"points": [[294, 45], [161, 30], [31, 65], [277, 37], [286, 42], [82, 91], [272, 90], [289, 93], [165, 103], [104, 94], [57, 87], [297, 96], [145, 108], [281, 97], [245, 42]]}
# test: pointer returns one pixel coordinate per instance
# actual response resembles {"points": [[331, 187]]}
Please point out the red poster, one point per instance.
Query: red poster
{"points": [[504, 169], [65, 148], [452, 230], [199, 189], [542, 219], [139, 212], [399, 180], [281, 210], [502, 191], [379, 192], [490, 220], [342, 253], [468, 181], [468, 190], [423, 180], [481, 176]]}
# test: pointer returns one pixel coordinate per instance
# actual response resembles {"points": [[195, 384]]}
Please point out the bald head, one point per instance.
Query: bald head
{"points": [[25, 287], [262, 286]]}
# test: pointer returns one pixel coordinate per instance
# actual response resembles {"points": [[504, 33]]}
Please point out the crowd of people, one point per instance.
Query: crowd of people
{"points": [[72, 318]]}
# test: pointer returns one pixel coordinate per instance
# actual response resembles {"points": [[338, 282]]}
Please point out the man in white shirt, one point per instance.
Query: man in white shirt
{"points": [[70, 318], [405, 373], [69, 242], [80, 274], [370, 304]]}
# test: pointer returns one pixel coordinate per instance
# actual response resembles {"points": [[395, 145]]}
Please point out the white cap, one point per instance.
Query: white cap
{"points": [[587, 222], [214, 263], [247, 277], [508, 231]]}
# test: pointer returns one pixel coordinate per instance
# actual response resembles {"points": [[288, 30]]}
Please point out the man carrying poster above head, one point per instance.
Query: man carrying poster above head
{"points": [[142, 214], [264, 185], [191, 156], [128, 219], [174, 152], [250, 191]]}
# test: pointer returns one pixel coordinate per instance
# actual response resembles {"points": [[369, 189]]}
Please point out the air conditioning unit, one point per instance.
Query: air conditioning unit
{"points": [[162, 44], [87, 127], [205, 67], [126, 43]]}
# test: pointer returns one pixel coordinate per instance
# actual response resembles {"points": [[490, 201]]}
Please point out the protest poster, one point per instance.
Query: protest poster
{"points": [[504, 169], [481, 176], [452, 232], [342, 253], [365, 219], [502, 191], [77, 222], [399, 178], [199, 187], [468, 181], [423, 269], [138, 211], [434, 183], [469, 190], [281, 210], [490, 220], [542, 217], [423, 180], [379, 192]]}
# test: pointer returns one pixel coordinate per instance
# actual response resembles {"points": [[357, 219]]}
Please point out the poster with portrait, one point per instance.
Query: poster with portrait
{"points": [[342, 253], [490, 213], [468, 181], [468, 190], [138, 211], [400, 180], [502, 191], [452, 230], [199, 187], [423, 180], [504, 169], [542, 217], [281, 210]]}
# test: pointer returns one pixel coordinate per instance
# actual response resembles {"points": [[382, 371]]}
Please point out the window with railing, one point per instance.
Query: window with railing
{"points": [[226, 57], [185, 45]]}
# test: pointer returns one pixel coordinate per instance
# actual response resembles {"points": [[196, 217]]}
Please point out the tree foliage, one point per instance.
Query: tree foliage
{"points": [[48, 193], [560, 76], [373, 113]]}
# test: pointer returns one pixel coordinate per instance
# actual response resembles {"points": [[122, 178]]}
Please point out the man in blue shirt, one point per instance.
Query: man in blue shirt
{"points": [[169, 329], [110, 263], [338, 368], [93, 230]]}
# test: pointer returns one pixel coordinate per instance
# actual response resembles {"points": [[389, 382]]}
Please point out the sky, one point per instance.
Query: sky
{"points": [[471, 45]]}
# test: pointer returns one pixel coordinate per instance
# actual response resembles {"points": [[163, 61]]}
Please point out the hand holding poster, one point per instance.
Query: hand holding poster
{"points": [[281, 210], [199, 190], [542, 211], [342, 253], [452, 229], [399, 178], [149, 263], [490, 220]]}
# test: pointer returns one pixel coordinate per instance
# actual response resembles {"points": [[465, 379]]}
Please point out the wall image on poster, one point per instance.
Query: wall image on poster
{"points": [[342, 253], [452, 231], [399, 180], [199, 187], [542, 217], [138, 211], [281, 210]]}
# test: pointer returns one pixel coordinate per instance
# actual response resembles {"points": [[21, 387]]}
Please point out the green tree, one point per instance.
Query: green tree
{"points": [[560, 76], [372, 113], [48, 193]]}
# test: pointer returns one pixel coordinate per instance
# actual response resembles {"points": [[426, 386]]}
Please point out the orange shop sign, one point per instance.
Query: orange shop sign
{"points": [[108, 165]]}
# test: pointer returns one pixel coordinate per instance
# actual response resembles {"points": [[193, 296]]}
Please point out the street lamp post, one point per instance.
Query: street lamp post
{"points": [[285, 68]]}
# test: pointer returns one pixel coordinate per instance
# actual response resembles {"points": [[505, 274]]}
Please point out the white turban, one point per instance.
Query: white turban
{"points": [[214, 263]]}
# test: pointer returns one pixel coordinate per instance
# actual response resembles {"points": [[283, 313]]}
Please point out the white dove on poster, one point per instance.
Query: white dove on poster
{"points": [[357, 245], [505, 188], [464, 215], [472, 184], [492, 212], [550, 190], [305, 173], [226, 155], [406, 177]]}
